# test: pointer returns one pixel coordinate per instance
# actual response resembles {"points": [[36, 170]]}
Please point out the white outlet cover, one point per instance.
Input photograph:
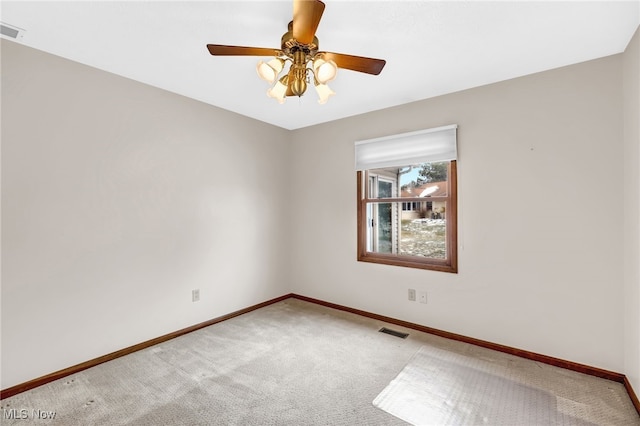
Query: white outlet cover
{"points": [[412, 294]]}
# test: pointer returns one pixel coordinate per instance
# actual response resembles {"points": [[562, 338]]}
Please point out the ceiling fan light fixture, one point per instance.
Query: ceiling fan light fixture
{"points": [[268, 71], [279, 90], [324, 71], [324, 92], [300, 46]]}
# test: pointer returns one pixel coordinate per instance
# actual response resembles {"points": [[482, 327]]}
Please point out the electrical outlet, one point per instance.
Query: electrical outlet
{"points": [[412, 294], [195, 295], [423, 297]]}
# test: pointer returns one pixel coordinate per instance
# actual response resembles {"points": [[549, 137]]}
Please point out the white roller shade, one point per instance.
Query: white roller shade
{"points": [[423, 146]]}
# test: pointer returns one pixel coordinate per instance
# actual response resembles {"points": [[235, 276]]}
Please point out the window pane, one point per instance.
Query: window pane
{"points": [[424, 180], [418, 180], [382, 234], [424, 237], [412, 236], [385, 189], [385, 229]]}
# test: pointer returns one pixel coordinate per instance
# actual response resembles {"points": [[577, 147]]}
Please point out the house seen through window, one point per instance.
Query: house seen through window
{"points": [[407, 210]]}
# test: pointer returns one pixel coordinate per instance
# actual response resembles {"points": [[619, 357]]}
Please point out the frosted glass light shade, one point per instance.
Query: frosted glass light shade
{"points": [[268, 71], [324, 70], [323, 93], [279, 91]]}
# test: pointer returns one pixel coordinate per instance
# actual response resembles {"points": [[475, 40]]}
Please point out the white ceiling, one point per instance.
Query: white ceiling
{"points": [[431, 48]]}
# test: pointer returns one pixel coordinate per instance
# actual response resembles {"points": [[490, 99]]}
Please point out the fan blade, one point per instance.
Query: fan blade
{"points": [[306, 18], [355, 63], [220, 49]]}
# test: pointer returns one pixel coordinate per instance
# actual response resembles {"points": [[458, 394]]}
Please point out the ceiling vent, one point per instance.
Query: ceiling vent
{"points": [[10, 31]]}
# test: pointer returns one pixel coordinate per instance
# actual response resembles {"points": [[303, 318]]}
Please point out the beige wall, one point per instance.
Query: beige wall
{"points": [[118, 199], [545, 280], [631, 86]]}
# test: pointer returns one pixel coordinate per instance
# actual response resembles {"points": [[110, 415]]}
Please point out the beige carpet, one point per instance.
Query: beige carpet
{"points": [[292, 363]]}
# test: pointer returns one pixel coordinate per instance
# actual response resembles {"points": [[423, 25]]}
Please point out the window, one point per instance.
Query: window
{"points": [[407, 199]]}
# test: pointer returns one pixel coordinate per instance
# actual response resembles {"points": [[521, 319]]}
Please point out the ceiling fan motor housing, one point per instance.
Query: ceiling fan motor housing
{"points": [[290, 45]]}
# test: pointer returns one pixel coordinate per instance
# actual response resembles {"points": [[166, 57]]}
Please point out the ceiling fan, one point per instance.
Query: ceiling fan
{"points": [[299, 46]]}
